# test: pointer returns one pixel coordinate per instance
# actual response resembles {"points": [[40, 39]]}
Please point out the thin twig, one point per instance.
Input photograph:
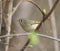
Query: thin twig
{"points": [[15, 9], [37, 7], [26, 34], [0, 15], [7, 20], [47, 15]]}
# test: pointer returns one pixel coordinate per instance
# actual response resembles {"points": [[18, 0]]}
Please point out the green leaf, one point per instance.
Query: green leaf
{"points": [[34, 39]]}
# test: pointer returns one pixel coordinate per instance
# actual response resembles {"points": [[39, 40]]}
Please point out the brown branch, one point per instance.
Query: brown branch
{"points": [[15, 9], [47, 15], [8, 23], [0, 15], [28, 41], [37, 7], [7, 17], [38, 27]]}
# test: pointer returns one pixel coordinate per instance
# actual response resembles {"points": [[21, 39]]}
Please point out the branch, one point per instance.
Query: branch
{"points": [[8, 23], [47, 15], [26, 34], [37, 7], [0, 15], [7, 17], [15, 9]]}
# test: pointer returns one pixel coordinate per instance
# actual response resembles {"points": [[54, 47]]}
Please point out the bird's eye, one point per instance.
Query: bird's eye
{"points": [[21, 20]]}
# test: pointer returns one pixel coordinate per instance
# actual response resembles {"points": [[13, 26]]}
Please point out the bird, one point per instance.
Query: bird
{"points": [[28, 25]]}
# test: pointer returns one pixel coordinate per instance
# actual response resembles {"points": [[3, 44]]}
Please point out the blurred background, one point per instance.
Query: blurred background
{"points": [[27, 10]]}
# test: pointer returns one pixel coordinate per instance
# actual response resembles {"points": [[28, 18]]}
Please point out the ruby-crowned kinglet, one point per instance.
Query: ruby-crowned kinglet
{"points": [[28, 25]]}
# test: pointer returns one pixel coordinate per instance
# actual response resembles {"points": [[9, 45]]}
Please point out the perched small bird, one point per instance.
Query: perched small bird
{"points": [[30, 26]]}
